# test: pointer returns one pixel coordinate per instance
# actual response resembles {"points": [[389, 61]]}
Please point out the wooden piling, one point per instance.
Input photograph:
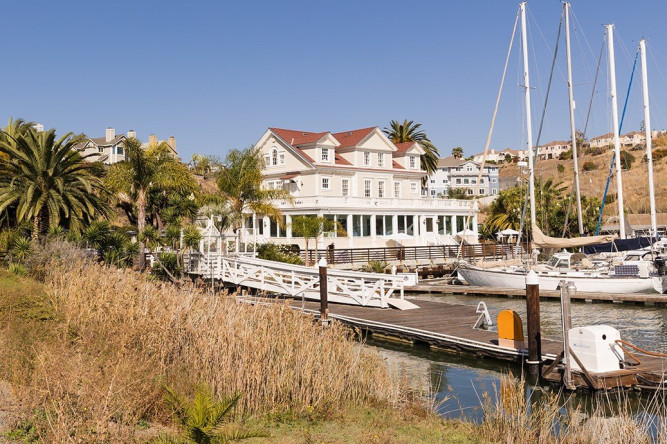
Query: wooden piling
{"points": [[324, 293], [533, 323]]}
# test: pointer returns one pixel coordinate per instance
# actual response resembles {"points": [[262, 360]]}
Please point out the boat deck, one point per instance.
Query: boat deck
{"points": [[450, 327], [441, 286]]}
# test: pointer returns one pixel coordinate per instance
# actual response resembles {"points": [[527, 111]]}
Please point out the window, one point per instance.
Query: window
{"points": [[119, 150], [458, 181], [473, 181], [481, 181], [345, 187], [367, 188], [367, 158], [432, 180], [466, 181], [413, 187], [397, 189], [494, 191], [468, 167], [459, 169], [381, 160], [493, 180], [325, 154], [388, 225], [100, 149], [278, 230], [481, 191], [282, 159], [325, 184], [274, 158], [267, 160], [445, 180], [381, 187], [470, 191], [413, 162], [432, 192], [366, 225]]}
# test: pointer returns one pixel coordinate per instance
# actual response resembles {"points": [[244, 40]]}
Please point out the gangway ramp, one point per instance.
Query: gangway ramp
{"points": [[297, 281]]}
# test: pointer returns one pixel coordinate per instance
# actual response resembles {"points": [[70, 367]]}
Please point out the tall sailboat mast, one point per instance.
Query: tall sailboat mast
{"points": [[529, 127], [573, 130], [614, 122], [647, 129]]}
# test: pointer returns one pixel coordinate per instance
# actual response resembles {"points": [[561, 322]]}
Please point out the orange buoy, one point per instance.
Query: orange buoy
{"points": [[510, 330]]}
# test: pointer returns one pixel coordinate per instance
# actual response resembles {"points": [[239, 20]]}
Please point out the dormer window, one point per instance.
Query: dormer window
{"points": [[468, 167], [274, 157], [367, 158], [381, 160], [413, 162], [325, 154]]}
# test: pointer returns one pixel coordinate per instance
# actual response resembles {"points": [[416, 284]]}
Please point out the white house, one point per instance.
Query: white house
{"points": [[553, 150], [500, 156], [460, 173], [110, 148], [359, 178]]}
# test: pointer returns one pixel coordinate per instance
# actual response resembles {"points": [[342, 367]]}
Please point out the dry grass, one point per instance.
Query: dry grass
{"points": [[545, 418], [115, 339]]}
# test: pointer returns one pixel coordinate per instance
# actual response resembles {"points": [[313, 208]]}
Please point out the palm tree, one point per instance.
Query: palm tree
{"points": [[142, 172], [240, 184], [48, 180], [202, 418], [408, 131], [457, 152]]}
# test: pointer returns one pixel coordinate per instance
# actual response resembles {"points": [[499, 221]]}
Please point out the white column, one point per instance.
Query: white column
{"points": [[350, 230], [453, 227], [373, 234], [288, 228]]}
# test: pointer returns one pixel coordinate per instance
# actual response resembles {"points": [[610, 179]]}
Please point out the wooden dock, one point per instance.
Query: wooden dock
{"points": [[450, 327], [441, 286]]}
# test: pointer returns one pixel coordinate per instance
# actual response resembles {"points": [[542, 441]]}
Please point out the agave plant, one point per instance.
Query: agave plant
{"points": [[203, 418]]}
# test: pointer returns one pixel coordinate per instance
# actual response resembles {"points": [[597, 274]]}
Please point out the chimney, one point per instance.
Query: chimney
{"points": [[152, 139], [111, 134], [131, 134], [172, 142]]}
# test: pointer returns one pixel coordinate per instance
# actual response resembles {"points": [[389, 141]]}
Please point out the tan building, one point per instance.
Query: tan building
{"points": [[110, 149], [369, 185]]}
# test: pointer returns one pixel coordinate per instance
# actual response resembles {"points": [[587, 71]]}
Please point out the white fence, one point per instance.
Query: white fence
{"points": [[347, 287]]}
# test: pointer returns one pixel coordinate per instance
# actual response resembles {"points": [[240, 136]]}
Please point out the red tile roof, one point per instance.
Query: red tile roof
{"points": [[340, 160], [294, 137], [404, 146], [396, 165], [351, 138]]}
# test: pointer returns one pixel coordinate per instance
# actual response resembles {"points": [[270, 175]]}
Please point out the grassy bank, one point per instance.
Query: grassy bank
{"points": [[88, 351]]}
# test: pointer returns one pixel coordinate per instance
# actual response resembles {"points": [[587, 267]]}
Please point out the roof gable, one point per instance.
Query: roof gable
{"points": [[294, 137]]}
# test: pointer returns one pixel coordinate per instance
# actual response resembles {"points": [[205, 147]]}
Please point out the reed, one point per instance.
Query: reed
{"points": [[116, 339]]}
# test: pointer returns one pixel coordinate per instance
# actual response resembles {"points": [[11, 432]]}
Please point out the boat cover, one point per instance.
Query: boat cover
{"points": [[636, 243], [543, 241]]}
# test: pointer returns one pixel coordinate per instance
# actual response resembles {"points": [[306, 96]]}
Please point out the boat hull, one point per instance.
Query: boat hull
{"points": [[588, 284]]}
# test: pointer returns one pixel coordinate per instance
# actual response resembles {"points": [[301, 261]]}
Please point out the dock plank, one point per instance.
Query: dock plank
{"points": [[449, 326]]}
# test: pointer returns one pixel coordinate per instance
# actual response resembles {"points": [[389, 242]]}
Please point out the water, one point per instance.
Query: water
{"points": [[460, 382]]}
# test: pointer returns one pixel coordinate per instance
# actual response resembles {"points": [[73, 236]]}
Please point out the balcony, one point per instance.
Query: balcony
{"points": [[366, 203]]}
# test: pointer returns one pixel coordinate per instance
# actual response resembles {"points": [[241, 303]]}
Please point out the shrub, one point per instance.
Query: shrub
{"points": [[659, 154], [375, 267], [566, 155], [589, 166], [596, 151], [278, 253], [627, 159], [18, 269], [560, 168], [168, 261]]}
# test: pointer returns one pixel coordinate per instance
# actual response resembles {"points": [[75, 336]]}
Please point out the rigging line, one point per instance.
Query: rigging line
{"points": [[545, 42], [539, 132], [588, 115], [620, 126], [488, 137]]}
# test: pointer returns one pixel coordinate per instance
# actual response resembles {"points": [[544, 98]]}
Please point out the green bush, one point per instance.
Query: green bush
{"points": [[278, 253], [590, 166], [596, 151], [566, 155], [627, 160], [18, 269], [375, 267]]}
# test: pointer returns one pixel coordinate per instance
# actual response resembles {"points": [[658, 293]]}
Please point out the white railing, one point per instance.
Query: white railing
{"points": [[297, 281], [374, 202]]}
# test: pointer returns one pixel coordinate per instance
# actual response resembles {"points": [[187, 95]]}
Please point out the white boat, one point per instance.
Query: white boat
{"points": [[625, 277]]}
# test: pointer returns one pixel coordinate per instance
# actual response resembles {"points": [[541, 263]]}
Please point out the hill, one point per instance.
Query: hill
{"points": [[592, 181]]}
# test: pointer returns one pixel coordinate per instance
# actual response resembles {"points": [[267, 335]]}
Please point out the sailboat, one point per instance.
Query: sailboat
{"points": [[587, 275]]}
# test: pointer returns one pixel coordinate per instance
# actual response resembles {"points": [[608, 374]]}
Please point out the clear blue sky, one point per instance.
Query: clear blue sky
{"points": [[217, 74]]}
